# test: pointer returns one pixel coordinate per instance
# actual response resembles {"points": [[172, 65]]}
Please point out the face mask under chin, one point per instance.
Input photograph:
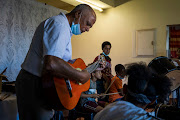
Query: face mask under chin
{"points": [[105, 54], [120, 77], [75, 28]]}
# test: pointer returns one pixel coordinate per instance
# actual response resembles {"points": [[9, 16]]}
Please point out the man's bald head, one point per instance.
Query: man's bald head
{"points": [[84, 15], [83, 7]]}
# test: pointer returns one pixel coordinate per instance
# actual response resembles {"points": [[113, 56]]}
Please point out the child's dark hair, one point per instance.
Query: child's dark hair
{"points": [[119, 67], [142, 80], [105, 43]]}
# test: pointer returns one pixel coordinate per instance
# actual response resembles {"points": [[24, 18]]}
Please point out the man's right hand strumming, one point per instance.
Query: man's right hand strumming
{"points": [[85, 76], [59, 68]]}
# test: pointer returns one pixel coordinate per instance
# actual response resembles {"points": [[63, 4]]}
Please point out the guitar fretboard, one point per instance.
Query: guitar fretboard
{"points": [[93, 67]]}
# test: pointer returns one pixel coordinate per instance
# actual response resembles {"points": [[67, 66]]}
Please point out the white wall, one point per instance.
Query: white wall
{"points": [[19, 18], [118, 26], [18, 21]]}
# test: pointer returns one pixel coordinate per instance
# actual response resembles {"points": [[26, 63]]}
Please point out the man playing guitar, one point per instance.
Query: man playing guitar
{"points": [[48, 55]]}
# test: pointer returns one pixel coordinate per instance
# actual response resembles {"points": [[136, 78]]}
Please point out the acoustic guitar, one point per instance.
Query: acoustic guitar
{"points": [[65, 93]]}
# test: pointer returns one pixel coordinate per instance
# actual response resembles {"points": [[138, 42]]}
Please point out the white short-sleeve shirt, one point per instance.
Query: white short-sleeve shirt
{"points": [[52, 37]]}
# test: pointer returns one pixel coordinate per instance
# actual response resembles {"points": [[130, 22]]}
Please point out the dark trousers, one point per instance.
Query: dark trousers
{"points": [[100, 89], [31, 105]]}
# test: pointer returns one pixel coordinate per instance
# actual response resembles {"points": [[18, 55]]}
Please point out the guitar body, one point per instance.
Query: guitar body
{"points": [[60, 98]]}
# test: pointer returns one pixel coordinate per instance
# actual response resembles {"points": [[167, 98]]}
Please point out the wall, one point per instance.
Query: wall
{"points": [[19, 18], [118, 26], [18, 21]]}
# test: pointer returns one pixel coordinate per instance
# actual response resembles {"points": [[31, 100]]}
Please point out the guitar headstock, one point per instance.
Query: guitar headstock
{"points": [[102, 58], [98, 65], [102, 61]]}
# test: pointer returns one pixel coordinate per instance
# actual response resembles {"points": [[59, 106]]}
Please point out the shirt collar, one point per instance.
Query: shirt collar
{"points": [[67, 22]]}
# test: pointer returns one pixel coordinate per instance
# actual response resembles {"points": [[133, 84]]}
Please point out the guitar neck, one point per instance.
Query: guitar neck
{"points": [[93, 67], [96, 64]]}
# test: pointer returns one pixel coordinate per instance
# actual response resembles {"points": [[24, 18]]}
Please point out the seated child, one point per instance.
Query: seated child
{"points": [[144, 87], [116, 82], [87, 101]]}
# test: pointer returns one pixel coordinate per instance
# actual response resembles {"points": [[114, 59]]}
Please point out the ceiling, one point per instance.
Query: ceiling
{"points": [[68, 5]]}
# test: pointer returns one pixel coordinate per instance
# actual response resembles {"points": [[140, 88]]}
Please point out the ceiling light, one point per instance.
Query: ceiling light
{"points": [[93, 5]]}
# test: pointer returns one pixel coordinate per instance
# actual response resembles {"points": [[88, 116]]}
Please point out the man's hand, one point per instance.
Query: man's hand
{"points": [[85, 76], [61, 69]]}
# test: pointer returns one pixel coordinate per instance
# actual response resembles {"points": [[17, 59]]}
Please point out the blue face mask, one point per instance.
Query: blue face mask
{"points": [[120, 77], [75, 28], [105, 54]]}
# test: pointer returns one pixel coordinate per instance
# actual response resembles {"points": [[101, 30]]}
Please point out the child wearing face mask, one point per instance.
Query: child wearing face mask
{"points": [[103, 83], [116, 82]]}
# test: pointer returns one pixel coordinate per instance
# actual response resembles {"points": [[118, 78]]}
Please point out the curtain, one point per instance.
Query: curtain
{"points": [[174, 41]]}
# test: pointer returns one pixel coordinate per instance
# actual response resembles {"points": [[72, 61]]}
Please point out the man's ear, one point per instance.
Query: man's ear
{"points": [[77, 14]]}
